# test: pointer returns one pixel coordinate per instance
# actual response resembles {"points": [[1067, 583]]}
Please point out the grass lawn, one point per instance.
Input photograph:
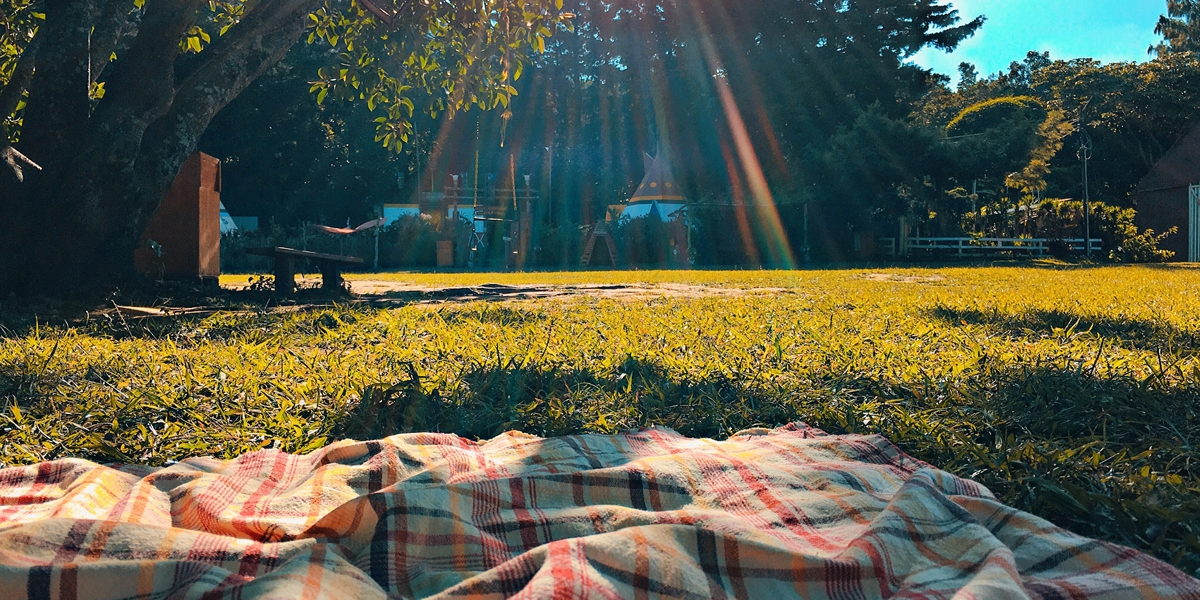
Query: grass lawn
{"points": [[1071, 392]]}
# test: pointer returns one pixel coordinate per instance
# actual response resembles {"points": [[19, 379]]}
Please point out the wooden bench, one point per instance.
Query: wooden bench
{"points": [[285, 267]]}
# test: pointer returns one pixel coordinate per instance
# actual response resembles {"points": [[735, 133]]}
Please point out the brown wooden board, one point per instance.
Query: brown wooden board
{"points": [[183, 239], [316, 256]]}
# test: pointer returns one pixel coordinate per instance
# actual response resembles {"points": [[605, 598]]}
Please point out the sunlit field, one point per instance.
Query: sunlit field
{"points": [[1071, 392]]}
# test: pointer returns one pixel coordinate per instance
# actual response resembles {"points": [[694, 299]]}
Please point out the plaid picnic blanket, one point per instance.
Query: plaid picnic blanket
{"points": [[786, 513]]}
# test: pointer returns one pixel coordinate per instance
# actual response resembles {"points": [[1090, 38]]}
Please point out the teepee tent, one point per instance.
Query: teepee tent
{"points": [[227, 223], [659, 193]]}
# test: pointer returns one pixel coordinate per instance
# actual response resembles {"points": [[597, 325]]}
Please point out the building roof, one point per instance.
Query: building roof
{"points": [[659, 183], [1179, 167]]}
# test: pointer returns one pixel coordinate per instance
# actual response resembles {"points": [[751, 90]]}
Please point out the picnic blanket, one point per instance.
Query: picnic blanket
{"points": [[772, 514]]}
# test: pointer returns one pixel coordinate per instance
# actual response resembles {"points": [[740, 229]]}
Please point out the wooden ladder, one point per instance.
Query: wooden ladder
{"points": [[600, 231]]}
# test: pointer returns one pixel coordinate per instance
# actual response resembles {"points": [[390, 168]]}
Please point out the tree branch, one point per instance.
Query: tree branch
{"points": [[387, 19], [16, 161], [233, 62], [110, 25], [142, 84], [14, 90], [261, 22]]}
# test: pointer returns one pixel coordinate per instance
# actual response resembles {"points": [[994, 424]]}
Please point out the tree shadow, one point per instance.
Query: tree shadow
{"points": [[490, 292], [1080, 403], [156, 312], [491, 313], [1136, 333], [548, 400], [1027, 432], [1095, 453]]}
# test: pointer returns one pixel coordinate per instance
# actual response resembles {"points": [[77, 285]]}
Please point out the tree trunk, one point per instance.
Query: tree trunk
{"points": [[113, 170], [57, 112], [55, 116], [111, 25]]}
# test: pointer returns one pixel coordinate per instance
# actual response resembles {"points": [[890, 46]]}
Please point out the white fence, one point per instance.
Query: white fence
{"points": [[1193, 231], [966, 246]]}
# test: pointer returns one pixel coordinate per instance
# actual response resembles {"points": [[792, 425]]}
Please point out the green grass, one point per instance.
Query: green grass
{"points": [[1071, 392]]}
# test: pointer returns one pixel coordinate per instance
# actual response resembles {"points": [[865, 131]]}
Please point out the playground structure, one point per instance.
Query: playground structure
{"points": [[482, 228], [600, 233], [1169, 197]]}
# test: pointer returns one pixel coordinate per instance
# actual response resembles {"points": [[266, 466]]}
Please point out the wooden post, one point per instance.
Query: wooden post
{"points": [[331, 276], [285, 276]]}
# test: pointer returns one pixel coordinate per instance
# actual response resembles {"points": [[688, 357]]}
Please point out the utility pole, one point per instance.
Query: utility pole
{"points": [[550, 183], [975, 207], [1085, 154], [807, 249], [378, 226]]}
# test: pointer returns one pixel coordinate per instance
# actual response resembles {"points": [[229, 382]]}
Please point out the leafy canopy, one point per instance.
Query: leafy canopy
{"points": [[448, 55], [457, 55], [19, 20]]}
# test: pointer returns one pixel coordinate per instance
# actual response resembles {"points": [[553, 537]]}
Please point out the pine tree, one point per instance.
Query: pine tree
{"points": [[1180, 28]]}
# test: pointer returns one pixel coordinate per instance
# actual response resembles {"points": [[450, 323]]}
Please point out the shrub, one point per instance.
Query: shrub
{"points": [[1142, 247], [1063, 219]]}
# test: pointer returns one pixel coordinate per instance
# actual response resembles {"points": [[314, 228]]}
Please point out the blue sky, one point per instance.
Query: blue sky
{"points": [[1108, 30]]}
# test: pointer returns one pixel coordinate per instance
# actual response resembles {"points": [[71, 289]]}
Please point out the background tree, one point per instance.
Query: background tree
{"points": [[1131, 113], [288, 160], [1180, 28]]}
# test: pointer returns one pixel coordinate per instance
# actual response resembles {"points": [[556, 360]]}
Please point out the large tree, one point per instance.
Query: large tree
{"points": [[103, 100]]}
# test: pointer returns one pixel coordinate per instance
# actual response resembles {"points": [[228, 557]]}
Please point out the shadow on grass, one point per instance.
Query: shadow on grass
{"points": [[1159, 410], [1138, 333], [1106, 455], [1112, 457], [545, 400], [156, 312], [503, 315]]}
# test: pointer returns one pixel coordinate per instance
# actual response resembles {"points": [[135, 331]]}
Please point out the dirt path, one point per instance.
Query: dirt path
{"points": [[390, 293], [377, 291]]}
